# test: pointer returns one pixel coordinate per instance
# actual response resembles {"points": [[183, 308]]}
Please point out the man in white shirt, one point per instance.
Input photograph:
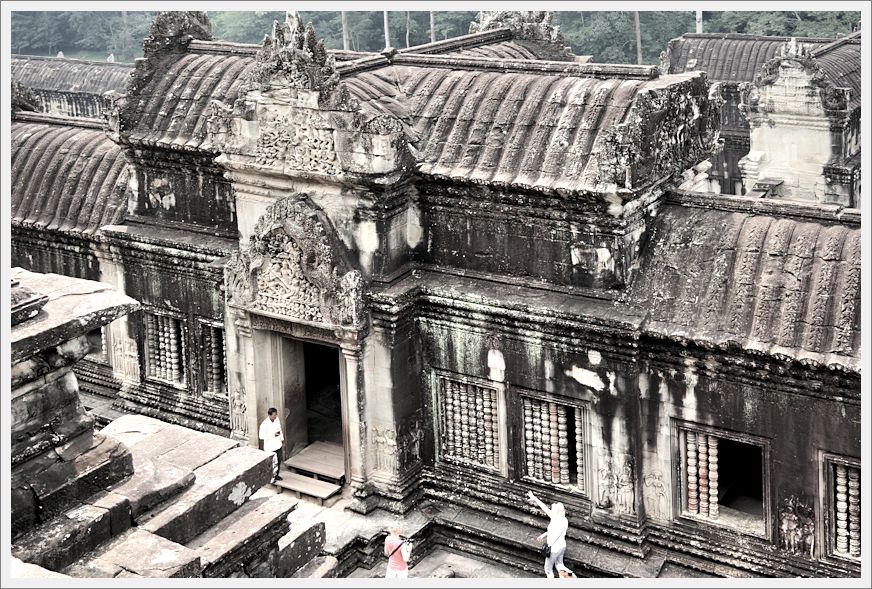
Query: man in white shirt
{"points": [[273, 439]]}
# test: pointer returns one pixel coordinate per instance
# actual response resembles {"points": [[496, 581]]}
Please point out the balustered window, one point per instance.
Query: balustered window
{"points": [[212, 357], [843, 499], [165, 344], [554, 442], [723, 479], [471, 422]]}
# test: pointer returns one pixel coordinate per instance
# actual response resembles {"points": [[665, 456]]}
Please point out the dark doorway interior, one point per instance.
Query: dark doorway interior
{"points": [[740, 469], [323, 405]]}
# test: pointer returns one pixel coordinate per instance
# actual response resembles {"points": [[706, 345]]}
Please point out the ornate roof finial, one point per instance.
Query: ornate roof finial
{"points": [[294, 57], [23, 98], [172, 30], [533, 25]]}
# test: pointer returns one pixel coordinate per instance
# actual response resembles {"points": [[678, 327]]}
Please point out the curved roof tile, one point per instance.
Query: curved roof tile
{"points": [[496, 127], [70, 75], [66, 178], [776, 285], [172, 109], [726, 57], [503, 49], [841, 66]]}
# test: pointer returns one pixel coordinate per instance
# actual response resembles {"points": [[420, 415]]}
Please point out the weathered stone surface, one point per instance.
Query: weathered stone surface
{"points": [[71, 473], [152, 483], [75, 307], [220, 487], [137, 553], [65, 538], [24, 570], [118, 506], [244, 535], [320, 567], [132, 429], [199, 450], [298, 547]]}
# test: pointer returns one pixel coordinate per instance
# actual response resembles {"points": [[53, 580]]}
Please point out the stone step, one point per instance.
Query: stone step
{"points": [[302, 485], [299, 546], [243, 536], [321, 459], [220, 487], [65, 538], [137, 553], [320, 567]]}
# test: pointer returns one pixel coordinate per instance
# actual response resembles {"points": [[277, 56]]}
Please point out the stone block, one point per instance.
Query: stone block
{"points": [[137, 553], [199, 450], [25, 570], [65, 538], [219, 488], [320, 567], [118, 506], [298, 547], [153, 483], [243, 536], [132, 429], [71, 473]]}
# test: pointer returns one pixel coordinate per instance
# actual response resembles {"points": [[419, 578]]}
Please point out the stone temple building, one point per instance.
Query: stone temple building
{"points": [[463, 271], [806, 145]]}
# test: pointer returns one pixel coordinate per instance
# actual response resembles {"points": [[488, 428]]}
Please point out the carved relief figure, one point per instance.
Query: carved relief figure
{"points": [[385, 441], [655, 498], [237, 414], [796, 528], [607, 484], [626, 487]]}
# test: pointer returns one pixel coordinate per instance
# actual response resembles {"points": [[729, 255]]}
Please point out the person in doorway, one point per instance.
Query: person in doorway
{"points": [[555, 537], [398, 550], [273, 438]]}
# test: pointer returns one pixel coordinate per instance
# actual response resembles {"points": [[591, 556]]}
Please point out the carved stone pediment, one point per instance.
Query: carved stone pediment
{"points": [[534, 25], [294, 268]]}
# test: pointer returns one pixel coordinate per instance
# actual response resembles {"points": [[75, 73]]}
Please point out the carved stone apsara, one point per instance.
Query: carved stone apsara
{"points": [[796, 527]]}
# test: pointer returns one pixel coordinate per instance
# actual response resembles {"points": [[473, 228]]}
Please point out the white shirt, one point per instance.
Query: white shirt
{"points": [[268, 429], [557, 532]]}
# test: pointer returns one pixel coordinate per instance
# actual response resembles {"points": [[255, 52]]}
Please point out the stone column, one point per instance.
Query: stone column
{"points": [[241, 376], [352, 427]]}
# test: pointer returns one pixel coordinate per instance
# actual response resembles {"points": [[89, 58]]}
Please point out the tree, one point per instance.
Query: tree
{"points": [[344, 31], [638, 38], [387, 31]]}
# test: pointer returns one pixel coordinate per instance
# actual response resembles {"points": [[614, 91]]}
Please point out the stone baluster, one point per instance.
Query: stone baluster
{"points": [[448, 416], [553, 427], [841, 509], [479, 425], [579, 448], [528, 437], [490, 435], [464, 421], [217, 356], [458, 420], [702, 454], [545, 419], [153, 343], [692, 473], [854, 512], [163, 358], [172, 324], [713, 477], [563, 443], [537, 439]]}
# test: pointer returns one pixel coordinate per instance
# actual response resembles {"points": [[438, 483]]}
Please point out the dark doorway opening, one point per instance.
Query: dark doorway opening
{"points": [[323, 400], [740, 468]]}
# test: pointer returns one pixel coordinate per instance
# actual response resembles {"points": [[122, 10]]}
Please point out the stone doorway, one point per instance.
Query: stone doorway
{"points": [[323, 394]]}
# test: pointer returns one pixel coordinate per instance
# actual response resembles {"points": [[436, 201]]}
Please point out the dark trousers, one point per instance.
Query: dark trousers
{"points": [[278, 465]]}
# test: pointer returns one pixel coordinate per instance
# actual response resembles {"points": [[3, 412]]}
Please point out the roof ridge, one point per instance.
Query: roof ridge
{"points": [[569, 68], [71, 59], [853, 38], [748, 36], [220, 47], [461, 42], [60, 120]]}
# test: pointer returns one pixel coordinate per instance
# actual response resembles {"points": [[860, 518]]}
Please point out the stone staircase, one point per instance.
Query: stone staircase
{"points": [[185, 512]]}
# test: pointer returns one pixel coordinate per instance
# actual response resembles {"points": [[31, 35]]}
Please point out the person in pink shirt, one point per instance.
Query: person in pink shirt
{"points": [[398, 550]]}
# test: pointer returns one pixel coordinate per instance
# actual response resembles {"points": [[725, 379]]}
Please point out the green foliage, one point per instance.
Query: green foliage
{"points": [[607, 36]]}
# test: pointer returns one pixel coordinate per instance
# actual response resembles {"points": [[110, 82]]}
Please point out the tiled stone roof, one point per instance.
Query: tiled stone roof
{"points": [[67, 178], [70, 75]]}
